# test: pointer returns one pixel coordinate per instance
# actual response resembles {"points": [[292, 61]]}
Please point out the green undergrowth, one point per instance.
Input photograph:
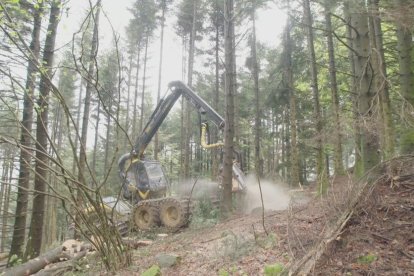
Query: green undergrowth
{"points": [[204, 214]]}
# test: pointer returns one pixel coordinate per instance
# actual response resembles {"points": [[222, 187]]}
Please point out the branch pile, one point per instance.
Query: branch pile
{"points": [[361, 189]]}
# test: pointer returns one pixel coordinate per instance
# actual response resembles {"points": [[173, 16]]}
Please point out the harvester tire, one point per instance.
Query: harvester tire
{"points": [[174, 213], [146, 216]]}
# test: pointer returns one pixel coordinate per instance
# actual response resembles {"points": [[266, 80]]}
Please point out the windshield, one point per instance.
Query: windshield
{"points": [[156, 175]]}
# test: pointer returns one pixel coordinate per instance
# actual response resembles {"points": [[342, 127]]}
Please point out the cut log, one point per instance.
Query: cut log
{"points": [[62, 267], [37, 263]]}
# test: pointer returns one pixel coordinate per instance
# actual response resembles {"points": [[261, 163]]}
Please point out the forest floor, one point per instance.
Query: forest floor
{"points": [[360, 227], [376, 239]]}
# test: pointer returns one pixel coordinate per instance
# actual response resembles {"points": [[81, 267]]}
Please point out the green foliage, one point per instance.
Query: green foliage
{"points": [[152, 271], [367, 259], [274, 270], [14, 261]]}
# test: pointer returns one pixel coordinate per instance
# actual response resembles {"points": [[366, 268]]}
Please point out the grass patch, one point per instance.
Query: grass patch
{"points": [[152, 271], [274, 270], [367, 259]]}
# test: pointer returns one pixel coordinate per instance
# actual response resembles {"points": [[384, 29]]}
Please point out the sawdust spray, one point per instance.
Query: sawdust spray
{"points": [[275, 195]]}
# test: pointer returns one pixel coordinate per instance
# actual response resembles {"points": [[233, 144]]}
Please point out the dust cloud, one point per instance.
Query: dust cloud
{"points": [[203, 188], [275, 195]]}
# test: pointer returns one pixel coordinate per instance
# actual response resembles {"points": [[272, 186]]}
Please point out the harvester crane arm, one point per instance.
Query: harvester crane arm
{"points": [[161, 111], [177, 88]]}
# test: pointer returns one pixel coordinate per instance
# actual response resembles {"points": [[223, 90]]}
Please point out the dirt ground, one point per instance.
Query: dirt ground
{"points": [[377, 240]]}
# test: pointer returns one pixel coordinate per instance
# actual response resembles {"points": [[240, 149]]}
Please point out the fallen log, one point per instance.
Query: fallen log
{"points": [[62, 267], [71, 251], [36, 264]]}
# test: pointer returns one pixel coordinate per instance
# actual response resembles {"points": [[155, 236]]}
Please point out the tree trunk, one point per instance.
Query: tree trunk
{"points": [[5, 198], [353, 89], [229, 48], [292, 148], [51, 233], [41, 165], [127, 102], [215, 157], [19, 229], [108, 141], [320, 168], [381, 80], [338, 164], [88, 95], [405, 46], [4, 174], [258, 161], [182, 116], [163, 8], [361, 45], [144, 77], [187, 112], [95, 143], [135, 112], [78, 116]]}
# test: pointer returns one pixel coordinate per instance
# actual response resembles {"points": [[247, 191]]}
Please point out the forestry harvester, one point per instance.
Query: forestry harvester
{"points": [[144, 182]]}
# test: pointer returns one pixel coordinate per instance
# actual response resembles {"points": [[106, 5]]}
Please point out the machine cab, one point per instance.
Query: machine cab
{"points": [[145, 179]]}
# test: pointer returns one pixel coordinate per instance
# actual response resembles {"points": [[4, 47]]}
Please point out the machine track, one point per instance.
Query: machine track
{"points": [[172, 213]]}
